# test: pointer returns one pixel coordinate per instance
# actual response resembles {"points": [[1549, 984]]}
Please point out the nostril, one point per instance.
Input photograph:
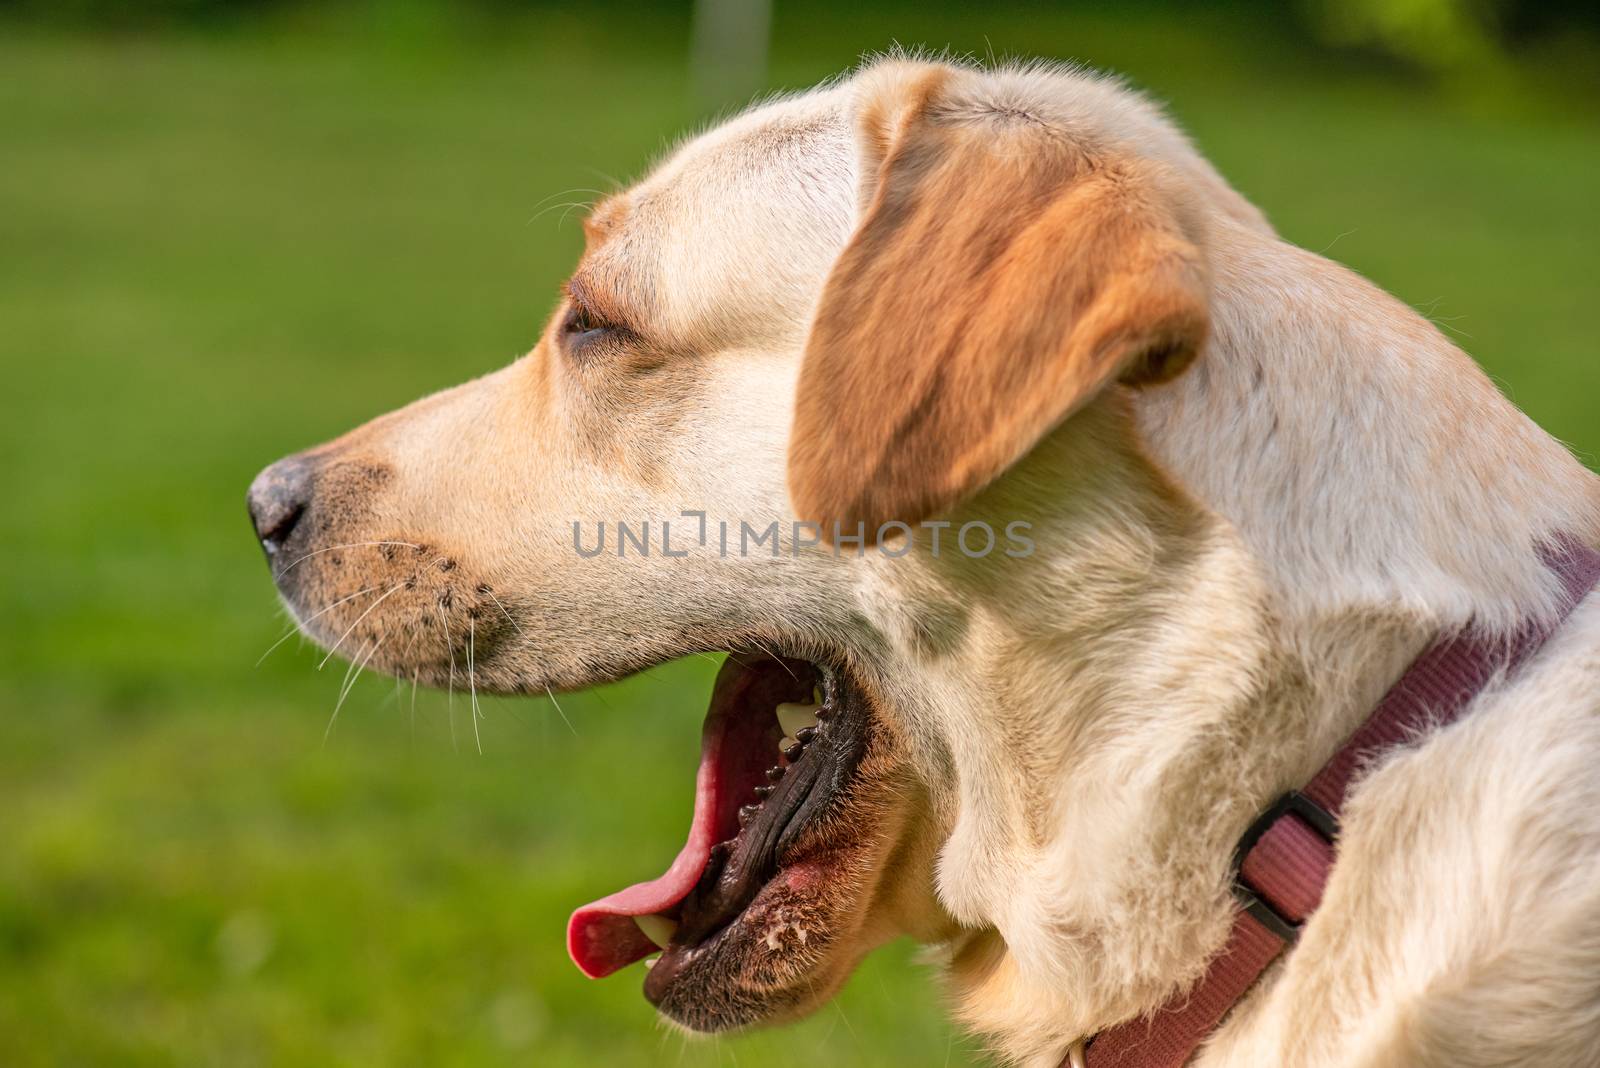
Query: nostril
{"points": [[278, 500], [273, 536]]}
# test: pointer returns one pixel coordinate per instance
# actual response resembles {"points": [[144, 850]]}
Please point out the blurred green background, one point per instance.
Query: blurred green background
{"points": [[228, 231]]}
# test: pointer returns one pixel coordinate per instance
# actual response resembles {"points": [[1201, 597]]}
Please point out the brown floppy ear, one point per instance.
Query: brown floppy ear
{"points": [[1002, 275]]}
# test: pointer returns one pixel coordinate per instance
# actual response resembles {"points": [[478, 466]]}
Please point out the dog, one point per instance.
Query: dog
{"points": [[1203, 497]]}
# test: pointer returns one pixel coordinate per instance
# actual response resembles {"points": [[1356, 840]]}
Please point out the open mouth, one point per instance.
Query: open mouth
{"points": [[782, 741]]}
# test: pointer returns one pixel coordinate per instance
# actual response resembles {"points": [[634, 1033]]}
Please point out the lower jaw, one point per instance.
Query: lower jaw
{"points": [[755, 928], [761, 850], [759, 969]]}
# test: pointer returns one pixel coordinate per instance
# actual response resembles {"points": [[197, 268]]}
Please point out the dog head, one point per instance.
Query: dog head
{"points": [[841, 390]]}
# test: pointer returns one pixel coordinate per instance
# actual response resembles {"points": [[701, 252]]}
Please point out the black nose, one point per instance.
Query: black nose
{"points": [[278, 500]]}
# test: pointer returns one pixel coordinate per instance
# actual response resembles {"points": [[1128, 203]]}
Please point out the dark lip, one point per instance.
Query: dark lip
{"points": [[740, 868]]}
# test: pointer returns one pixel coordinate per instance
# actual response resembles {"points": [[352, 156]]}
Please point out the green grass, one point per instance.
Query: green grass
{"points": [[214, 251]]}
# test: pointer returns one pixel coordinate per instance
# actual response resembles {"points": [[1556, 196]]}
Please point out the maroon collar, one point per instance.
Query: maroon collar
{"points": [[1284, 859]]}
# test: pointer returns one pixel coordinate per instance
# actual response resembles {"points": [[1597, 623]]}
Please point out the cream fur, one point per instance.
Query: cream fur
{"points": [[1231, 569]]}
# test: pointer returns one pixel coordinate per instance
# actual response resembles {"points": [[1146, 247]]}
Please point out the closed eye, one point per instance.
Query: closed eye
{"points": [[582, 327], [581, 322]]}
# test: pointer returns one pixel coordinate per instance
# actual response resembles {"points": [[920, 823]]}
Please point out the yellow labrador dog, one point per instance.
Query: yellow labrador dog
{"points": [[1057, 516]]}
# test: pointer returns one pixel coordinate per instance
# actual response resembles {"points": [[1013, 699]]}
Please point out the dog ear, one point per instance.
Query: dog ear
{"points": [[1001, 276]]}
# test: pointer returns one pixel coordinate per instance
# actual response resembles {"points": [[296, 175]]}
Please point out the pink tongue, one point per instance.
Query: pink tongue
{"points": [[601, 936]]}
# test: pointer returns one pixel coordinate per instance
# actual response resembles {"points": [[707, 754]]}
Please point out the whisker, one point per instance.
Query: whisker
{"points": [[503, 611], [405, 654], [297, 624], [568, 206], [357, 623], [366, 658], [450, 689], [567, 193], [776, 657], [845, 1019], [347, 545], [652, 674], [285, 636], [472, 686], [450, 712], [350, 669], [351, 685], [552, 695], [413, 707]]}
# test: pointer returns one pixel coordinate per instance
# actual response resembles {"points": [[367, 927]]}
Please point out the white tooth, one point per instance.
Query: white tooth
{"points": [[650, 962], [816, 695], [793, 718], [659, 929]]}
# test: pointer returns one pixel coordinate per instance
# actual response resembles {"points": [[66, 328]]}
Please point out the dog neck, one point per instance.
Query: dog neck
{"points": [[1237, 567], [1365, 461]]}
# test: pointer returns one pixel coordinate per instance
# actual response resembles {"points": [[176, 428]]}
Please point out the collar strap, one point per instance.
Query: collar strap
{"points": [[1283, 861]]}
